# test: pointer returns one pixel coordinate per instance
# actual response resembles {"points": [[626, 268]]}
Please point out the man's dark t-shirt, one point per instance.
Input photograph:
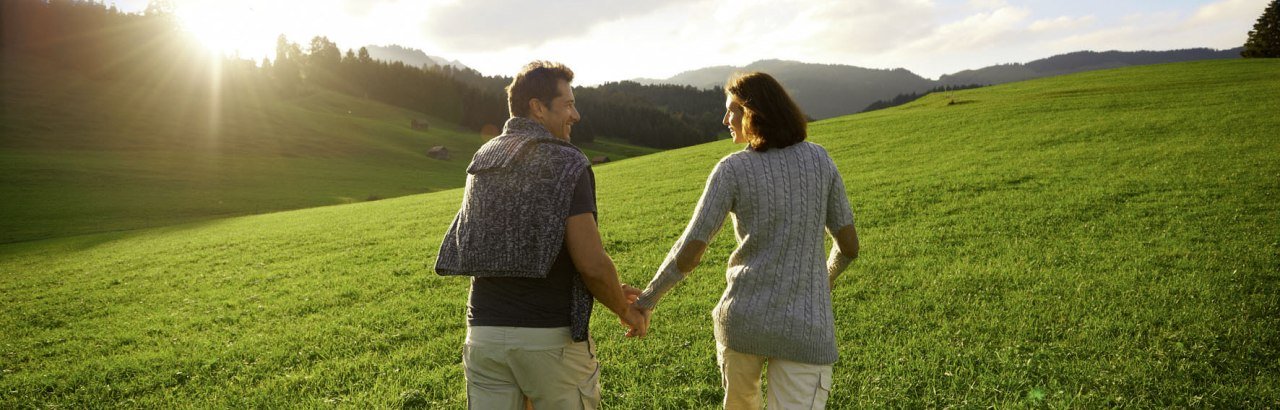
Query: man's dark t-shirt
{"points": [[533, 302]]}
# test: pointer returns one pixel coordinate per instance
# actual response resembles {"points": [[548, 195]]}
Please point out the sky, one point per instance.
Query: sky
{"points": [[612, 40]]}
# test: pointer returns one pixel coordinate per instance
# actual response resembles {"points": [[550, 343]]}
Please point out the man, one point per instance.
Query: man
{"points": [[527, 235]]}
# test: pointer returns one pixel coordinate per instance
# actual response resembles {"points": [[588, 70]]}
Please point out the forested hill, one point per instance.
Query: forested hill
{"points": [[112, 121], [659, 115], [108, 44]]}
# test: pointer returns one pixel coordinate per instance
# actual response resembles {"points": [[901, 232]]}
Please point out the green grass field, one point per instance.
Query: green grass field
{"points": [[82, 155], [1105, 239]]}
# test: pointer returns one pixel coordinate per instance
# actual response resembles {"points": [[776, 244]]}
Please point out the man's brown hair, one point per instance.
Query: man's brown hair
{"points": [[538, 79], [770, 118]]}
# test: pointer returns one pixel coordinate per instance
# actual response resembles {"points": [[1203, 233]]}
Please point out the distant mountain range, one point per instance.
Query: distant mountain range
{"points": [[410, 56], [830, 90], [822, 90], [1080, 61]]}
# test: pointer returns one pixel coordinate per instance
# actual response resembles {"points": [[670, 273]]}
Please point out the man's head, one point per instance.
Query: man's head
{"points": [[541, 92]]}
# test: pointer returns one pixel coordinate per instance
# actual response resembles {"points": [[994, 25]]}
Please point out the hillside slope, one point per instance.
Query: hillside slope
{"points": [[1095, 240], [82, 155], [1080, 61]]}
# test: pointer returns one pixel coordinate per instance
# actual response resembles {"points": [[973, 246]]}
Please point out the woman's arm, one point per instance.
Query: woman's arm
{"points": [[840, 223], [690, 256], [715, 204], [844, 252]]}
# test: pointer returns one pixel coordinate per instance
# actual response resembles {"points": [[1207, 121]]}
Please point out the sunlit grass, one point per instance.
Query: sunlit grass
{"points": [[1097, 240]]}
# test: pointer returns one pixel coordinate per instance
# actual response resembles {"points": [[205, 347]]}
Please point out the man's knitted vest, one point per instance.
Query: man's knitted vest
{"points": [[512, 219]]}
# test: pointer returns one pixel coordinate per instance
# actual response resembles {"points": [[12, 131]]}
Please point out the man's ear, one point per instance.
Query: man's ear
{"points": [[536, 109]]}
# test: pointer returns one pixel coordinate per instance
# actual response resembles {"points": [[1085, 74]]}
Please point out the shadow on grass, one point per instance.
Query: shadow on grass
{"points": [[84, 242]]}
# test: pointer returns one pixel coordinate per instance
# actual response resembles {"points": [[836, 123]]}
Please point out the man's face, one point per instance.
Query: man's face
{"points": [[560, 114]]}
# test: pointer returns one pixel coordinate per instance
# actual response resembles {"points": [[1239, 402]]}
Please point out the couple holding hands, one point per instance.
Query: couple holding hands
{"points": [[527, 235]]}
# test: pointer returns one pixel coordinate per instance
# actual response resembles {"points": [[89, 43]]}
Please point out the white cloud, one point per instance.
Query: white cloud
{"points": [[987, 4], [1221, 24], [1231, 11], [976, 32], [1061, 23], [497, 24], [867, 26]]}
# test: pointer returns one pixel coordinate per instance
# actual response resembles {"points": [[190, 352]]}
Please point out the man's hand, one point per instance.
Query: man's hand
{"points": [[632, 293], [636, 321], [630, 321]]}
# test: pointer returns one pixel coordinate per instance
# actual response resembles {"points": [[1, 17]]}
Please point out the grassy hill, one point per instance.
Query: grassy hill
{"points": [[81, 155], [1101, 239]]}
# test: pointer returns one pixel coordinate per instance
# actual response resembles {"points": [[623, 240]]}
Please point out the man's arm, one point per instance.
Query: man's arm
{"points": [[582, 237]]}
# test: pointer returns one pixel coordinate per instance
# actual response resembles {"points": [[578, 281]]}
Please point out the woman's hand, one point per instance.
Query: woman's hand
{"points": [[637, 321]]}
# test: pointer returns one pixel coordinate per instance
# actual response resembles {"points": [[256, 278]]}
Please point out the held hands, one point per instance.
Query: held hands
{"points": [[638, 321], [635, 319]]}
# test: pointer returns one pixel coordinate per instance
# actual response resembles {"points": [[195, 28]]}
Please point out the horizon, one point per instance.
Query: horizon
{"points": [[929, 38]]}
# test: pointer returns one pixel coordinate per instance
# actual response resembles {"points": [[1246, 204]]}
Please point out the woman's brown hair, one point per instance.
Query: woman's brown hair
{"points": [[770, 118]]}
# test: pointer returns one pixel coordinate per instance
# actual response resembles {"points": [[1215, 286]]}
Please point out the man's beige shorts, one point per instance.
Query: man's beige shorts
{"points": [[504, 365], [792, 385]]}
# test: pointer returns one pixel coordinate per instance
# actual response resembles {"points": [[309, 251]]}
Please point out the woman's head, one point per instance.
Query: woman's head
{"points": [[759, 112]]}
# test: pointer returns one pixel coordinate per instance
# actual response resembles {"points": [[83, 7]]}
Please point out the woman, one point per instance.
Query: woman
{"points": [[783, 193]]}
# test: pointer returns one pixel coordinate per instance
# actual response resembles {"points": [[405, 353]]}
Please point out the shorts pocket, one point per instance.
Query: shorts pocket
{"points": [[823, 392], [589, 390]]}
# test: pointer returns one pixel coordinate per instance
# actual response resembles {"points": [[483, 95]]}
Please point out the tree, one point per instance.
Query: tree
{"points": [[158, 7], [287, 69], [325, 54], [364, 56], [1264, 39]]}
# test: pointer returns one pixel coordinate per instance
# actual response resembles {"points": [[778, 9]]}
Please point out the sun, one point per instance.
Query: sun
{"points": [[220, 29]]}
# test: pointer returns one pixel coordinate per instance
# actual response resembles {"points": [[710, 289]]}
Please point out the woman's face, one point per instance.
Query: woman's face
{"points": [[733, 119]]}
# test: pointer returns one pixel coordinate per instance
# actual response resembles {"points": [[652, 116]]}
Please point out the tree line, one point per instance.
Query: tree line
{"points": [[909, 97], [661, 116]]}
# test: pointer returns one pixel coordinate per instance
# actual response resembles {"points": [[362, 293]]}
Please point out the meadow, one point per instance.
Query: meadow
{"points": [[1103, 239], [80, 154]]}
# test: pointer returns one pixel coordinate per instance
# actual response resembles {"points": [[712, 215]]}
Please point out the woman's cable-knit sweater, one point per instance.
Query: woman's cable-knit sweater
{"points": [[778, 300]]}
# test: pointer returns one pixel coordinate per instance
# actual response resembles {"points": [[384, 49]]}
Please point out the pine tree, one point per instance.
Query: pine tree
{"points": [[1264, 39]]}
